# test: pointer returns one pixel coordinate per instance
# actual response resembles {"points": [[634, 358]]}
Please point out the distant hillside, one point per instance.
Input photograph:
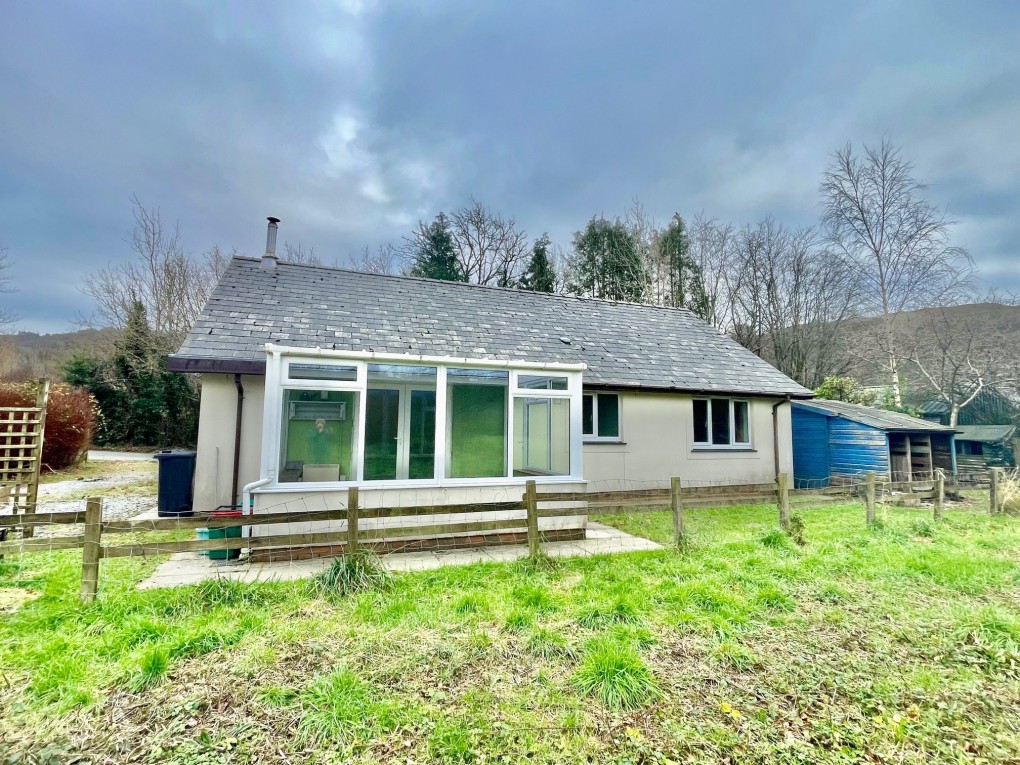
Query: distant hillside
{"points": [[993, 317], [29, 355], [991, 320]]}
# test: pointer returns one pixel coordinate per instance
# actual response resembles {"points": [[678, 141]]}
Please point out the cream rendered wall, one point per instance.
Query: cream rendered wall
{"points": [[657, 433], [216, 424], [657, 443]]}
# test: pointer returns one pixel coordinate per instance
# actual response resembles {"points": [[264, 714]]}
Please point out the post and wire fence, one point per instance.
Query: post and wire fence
{"points": [[543, 519]]}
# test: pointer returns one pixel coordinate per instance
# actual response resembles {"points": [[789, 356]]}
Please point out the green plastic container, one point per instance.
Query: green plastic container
{"points": [[234, 532]]}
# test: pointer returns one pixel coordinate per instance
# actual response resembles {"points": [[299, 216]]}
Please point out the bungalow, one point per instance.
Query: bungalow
{"points": [[417, 391], [835, 440]]}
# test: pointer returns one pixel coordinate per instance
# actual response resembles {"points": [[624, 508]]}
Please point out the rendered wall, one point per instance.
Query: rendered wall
{"points": [[216, 423], [657, 435], [657, 443]]}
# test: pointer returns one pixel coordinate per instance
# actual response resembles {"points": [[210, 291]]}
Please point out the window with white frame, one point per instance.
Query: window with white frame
{"points": [[722, 422], [600, 417], [352, 420]]}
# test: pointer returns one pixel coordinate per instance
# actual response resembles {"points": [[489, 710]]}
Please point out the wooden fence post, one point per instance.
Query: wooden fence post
{"points": [[352, 520], [678, 511], [90, 549], [940, 493], [869, 497], [783, 492], [531, 503], [993, 490]]}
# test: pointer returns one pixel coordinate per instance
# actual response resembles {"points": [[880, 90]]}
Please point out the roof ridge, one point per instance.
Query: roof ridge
{"points": [[514, 290]]}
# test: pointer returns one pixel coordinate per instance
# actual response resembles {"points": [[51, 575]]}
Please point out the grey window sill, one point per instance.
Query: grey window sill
{"points": [[610, 441]]}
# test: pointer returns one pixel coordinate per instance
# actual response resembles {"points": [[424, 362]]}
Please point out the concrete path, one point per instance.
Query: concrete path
{"points": [[192, 568], [99, 455]]}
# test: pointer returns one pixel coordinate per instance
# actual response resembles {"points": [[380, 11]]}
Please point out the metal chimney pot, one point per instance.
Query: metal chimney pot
{"points": [[269, 259]]}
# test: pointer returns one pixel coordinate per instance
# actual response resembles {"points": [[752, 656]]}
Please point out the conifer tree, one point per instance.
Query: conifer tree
{"points": [[540, 275], [607, 262], [685, 284], [435, 257]]}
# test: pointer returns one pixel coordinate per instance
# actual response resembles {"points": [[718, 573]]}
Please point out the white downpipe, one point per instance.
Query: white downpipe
{"points": [[247, 503]]}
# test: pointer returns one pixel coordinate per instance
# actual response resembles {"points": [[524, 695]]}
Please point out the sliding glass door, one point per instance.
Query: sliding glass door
{"points": [[400, 423], [382, 433]]}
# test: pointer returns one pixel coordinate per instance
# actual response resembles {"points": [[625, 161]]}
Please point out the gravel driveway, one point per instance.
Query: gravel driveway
{"points": [[120, 501]]}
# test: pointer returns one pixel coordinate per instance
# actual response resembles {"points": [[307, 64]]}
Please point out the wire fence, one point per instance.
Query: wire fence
{"points": [[416, 529]]}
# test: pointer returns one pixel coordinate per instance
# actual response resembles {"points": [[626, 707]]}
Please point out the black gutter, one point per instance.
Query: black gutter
{"points": [[237, 440], [216, 366]]}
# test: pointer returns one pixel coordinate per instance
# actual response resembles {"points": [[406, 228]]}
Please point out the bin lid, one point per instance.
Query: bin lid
{"points": [[171, 454]]}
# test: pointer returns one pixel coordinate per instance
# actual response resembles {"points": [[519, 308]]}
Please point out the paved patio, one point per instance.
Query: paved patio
{"points": [[191, 568]]}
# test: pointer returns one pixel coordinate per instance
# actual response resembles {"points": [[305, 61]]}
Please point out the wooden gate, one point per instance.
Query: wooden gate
{"points": [[21, 443]]}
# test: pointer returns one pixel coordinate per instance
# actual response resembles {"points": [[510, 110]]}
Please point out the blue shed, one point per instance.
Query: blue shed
{"points": [[834, 439]]}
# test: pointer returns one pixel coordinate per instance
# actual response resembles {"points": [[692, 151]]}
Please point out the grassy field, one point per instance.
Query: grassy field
{"points": [[895, 644]]}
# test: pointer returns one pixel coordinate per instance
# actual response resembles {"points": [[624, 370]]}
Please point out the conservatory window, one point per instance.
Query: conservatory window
{"points": [[318, 435], [384, 419], [476, 412]]}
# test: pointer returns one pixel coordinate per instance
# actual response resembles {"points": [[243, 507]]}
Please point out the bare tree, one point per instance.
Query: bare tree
{"points": [[958, 355], [788, 300], [163, 278], [711, 245], [211, 267], [491, 249], [296, 253], [896, 242], [7, 314], [384, 260]]}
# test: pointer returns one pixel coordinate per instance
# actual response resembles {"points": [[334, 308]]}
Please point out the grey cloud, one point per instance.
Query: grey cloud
{"points": [[351, 121]]}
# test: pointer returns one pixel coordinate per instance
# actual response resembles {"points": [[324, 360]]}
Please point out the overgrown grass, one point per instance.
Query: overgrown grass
{"points": [[614, 673], [898, 643], [347, 574]]}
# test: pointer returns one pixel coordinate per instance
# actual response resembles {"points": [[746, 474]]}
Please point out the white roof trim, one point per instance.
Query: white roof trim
{"points": [[328, 353]]}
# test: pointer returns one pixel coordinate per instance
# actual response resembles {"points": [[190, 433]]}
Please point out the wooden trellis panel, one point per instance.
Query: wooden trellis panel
{"points": [[21, 442]]}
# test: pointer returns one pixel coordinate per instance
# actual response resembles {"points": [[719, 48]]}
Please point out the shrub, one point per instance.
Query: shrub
{"points": [[70, 421]]}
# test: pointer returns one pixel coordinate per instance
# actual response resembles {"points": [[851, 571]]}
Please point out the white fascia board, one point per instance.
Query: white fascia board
{"points": [[326, 353]]}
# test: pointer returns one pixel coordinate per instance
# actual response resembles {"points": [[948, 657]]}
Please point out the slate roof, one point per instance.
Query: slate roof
{"points": [[875, 418], [623, 344], [988, 434]]}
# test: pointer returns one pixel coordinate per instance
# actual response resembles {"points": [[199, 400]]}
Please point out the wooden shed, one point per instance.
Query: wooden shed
{"points": [[979, 447], [835, 441]]}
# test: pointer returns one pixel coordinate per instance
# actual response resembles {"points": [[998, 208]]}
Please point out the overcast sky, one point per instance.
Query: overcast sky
{"points": [[352, 120]]}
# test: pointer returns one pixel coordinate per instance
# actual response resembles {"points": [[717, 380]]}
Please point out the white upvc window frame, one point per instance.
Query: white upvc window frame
{"points": [[278, 380], [733, 445], [594, 437]]}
